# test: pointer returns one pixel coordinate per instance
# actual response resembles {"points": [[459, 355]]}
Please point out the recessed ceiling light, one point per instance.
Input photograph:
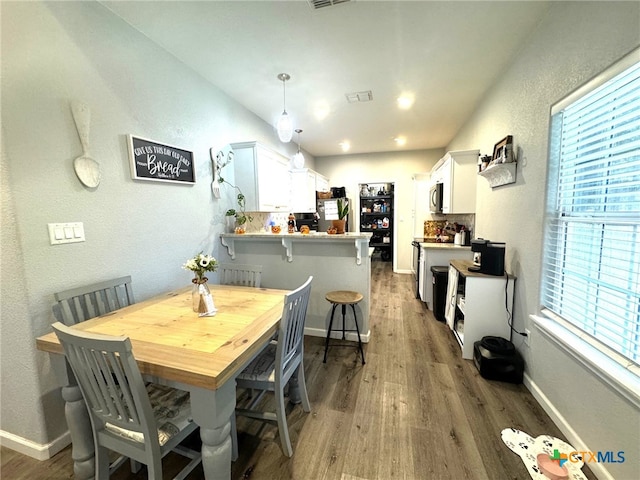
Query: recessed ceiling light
{"points": [[400, 141], [405, 101], [345, 146]]}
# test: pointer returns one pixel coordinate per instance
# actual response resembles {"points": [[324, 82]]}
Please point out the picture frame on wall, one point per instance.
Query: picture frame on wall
{"points": [[503, 151], [159, 162]]}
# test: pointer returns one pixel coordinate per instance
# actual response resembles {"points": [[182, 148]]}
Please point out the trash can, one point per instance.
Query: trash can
{"points": [[440, 280]]}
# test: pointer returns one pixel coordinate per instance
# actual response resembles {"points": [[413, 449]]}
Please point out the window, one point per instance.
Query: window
{"points": [[591, 266]]}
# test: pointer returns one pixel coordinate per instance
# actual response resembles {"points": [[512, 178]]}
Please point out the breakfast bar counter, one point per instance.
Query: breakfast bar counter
{"points": [[336, 261]]}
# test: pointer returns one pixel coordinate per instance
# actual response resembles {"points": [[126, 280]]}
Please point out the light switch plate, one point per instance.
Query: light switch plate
{"points": [[70, 232]]}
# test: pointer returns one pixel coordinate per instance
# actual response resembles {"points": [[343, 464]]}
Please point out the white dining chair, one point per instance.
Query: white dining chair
{"points": [[82, 303], [142, 422], [277, 363], [240, 274]]}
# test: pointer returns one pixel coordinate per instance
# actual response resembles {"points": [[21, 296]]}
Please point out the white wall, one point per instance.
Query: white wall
{"points": [[573, 43], [52, 53], [389, 167]]}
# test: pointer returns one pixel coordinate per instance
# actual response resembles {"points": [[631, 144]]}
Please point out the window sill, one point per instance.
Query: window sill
{"points": [[622, 376]]}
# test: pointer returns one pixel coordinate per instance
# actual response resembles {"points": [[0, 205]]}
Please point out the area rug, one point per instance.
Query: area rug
{"points": [[528, 448]]}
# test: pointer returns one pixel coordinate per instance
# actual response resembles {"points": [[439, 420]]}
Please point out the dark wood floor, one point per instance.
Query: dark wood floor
{"points": [[416, 410]]}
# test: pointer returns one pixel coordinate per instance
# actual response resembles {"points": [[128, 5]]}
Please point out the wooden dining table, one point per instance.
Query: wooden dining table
{"points": [[174, 346]]}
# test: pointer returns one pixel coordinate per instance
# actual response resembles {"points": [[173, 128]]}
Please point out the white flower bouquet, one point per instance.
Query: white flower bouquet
{"points": [[201, 264]]}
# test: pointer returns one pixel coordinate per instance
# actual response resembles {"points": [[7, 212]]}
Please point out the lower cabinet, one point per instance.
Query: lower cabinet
{"points": [[435, 255], [478, 305]]}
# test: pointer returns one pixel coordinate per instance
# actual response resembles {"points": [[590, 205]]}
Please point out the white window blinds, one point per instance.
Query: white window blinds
{"points": [[591, 268]]}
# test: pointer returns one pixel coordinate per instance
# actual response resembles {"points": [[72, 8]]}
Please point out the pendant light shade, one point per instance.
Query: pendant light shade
{"points": [[284, 126], [298, 158]]}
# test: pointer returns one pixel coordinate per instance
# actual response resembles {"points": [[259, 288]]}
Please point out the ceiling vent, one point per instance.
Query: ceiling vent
{"points": [[356, 97], [317, 4]]}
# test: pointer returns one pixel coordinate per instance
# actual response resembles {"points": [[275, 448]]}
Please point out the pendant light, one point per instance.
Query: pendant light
{"points": [[284, 127], [298, 158]]}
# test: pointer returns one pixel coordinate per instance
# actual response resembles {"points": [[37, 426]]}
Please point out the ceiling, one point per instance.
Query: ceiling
{"points": [[444, 54]]}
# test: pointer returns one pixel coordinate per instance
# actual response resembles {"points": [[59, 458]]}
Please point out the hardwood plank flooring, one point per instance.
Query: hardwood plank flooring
{"points": [[415, 411]]}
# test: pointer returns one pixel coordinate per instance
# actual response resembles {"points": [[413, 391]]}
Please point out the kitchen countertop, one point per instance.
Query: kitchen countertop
{"points": [[299, 236], [360, 241], [444, 246]]}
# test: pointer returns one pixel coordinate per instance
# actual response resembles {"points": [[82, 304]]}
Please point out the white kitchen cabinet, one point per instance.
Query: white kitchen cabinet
{"points": [[263, 177], [457, 171], [437, 254], [478, 305], [322, 183], [304, 184]]}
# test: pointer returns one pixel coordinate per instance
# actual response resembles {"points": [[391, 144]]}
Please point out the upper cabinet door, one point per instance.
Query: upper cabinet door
{"points": [[304, 184], [263, 177], [303, 191], [457, 171]]}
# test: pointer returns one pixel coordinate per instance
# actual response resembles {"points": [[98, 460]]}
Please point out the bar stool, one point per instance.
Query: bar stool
{"points": [[343, 298]]}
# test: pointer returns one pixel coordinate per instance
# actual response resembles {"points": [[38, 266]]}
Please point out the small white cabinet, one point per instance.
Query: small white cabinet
{"points": [[437, 254], [457, 171], [477, 305], [262, 175], [304, 184]]}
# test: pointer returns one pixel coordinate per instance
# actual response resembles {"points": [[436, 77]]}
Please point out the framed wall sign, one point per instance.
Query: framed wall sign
{"points": [[159, 162]]}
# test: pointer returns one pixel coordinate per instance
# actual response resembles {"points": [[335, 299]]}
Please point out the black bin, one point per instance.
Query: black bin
{"points": [[440, 280]]}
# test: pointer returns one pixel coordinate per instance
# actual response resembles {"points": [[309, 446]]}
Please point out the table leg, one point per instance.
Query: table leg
{"points": [[212, 410], [82, 448]]}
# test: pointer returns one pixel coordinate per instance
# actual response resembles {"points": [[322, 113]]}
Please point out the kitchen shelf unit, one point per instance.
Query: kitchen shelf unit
{"points": [[475, 305], [376, 216]]}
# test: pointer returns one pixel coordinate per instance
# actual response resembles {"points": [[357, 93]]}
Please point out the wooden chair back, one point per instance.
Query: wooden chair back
{"points": [[82, 303], [291, 330], [111, 383], [122, 412], [239, 274]]}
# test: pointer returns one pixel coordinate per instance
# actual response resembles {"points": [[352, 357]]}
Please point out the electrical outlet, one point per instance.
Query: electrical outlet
{"points": [[527, 338]]}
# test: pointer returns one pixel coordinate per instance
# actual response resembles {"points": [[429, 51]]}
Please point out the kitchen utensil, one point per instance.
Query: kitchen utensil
{"points": [[215, 185], [86, 168]]}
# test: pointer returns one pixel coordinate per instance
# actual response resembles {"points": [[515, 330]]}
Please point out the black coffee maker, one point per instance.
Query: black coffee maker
{"points": [[491, 257]]}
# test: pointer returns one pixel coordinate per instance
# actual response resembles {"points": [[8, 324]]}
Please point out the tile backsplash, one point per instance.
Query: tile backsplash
{"points": [[468, 220], [262, 221]]}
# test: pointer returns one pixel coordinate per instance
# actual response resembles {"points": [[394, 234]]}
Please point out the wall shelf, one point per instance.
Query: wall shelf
{"points": [[500, 174]]}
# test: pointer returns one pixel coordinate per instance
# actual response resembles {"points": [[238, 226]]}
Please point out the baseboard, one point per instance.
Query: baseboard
{"points": [[404, 271], [572, 436], [32, 449], [351, 336]]}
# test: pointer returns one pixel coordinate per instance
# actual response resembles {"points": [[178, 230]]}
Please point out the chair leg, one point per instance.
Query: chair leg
{"points": [[302, 386], [135, 466], [326, 345], [283, 428], [154, 469], [344, 312], [355, 319], [102, 463]]}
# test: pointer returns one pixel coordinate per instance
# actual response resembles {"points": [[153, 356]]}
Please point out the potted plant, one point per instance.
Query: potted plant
{"points": [[343, 210], [240, 214]]}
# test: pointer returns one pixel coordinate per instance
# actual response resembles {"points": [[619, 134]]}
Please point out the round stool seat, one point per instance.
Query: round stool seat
{"points": [[344, 297]]}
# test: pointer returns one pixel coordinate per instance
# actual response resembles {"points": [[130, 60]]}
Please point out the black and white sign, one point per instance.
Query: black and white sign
{"points": [[158, 162]]}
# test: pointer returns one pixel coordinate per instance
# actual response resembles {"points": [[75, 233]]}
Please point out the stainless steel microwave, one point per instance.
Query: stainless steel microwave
{"points": [[435, 198]]}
